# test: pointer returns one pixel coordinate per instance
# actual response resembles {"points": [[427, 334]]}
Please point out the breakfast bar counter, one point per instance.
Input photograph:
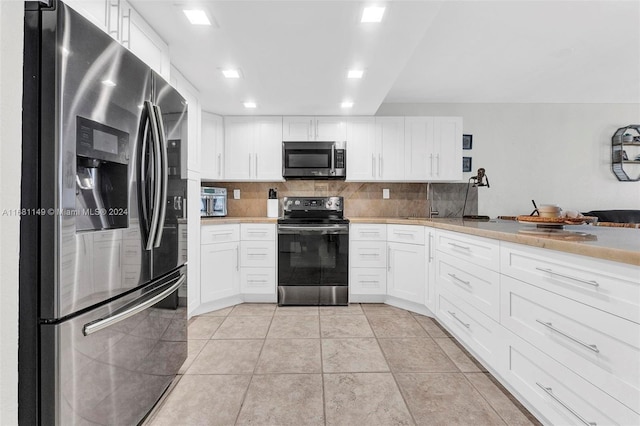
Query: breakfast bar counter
{"points": [[615, 244]]}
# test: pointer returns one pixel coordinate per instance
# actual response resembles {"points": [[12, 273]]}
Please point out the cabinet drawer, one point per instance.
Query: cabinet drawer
{"points": [[257, 232], [561, 396], [368, 232], [480, 333], [258, 280], [602, 348], [210, 234], [368, 281], [257, 254], [412, 234], [610, 286], [477, 250], [372, 254], [480, 287]]}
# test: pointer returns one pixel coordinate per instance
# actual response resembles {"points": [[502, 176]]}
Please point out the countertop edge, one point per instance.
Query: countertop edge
{"points": [[235, 220], [605, 253]]}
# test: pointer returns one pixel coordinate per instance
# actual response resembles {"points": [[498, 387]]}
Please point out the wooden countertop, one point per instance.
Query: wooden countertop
{"points": [[615, 244]]}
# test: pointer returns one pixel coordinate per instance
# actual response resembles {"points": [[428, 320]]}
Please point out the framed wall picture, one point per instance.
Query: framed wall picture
{"points": [[467, 141], [466, 164]]}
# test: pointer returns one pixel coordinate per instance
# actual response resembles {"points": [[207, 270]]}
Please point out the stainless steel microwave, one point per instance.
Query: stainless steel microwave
{"points": [[213, 201], [314, 160]]}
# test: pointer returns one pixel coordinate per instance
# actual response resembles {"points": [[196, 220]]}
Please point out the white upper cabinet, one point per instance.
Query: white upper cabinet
{"points": [[121, 21], [418, 142], [268, 148], [143, 41], [212, 146], [362, 153], [253, 148], [391, 157], [303, 128], [447, 149]]}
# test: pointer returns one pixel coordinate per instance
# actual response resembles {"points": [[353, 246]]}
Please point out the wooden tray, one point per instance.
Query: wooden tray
{"points": [[555, 221]]}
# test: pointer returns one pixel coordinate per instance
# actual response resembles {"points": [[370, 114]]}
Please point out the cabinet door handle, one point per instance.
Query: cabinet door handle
{"points": [[580, 280], [431, 167], [453, 314], [373, 165], [550, 326], [438, 164], [256, 168], [458, 246], [430, 247], [388, 258], [219, 164], [237, 258], [379, 165], [549, 391], [249, 165], [126, 41], [459, 280]]}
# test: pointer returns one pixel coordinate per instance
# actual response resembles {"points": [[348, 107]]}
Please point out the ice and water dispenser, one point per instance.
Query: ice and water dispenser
{"points": [[102, 159]]}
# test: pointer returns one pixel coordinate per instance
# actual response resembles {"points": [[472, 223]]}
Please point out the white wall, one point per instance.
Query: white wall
{"points": [[11, 42], [552, 153]]}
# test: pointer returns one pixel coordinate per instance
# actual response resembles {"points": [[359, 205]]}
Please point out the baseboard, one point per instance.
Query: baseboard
{"points": [[259, 298], [216, 304], [367, 298], [409, 306]]}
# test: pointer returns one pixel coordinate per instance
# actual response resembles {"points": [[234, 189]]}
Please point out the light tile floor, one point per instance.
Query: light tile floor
{"points": [[369, 364]]}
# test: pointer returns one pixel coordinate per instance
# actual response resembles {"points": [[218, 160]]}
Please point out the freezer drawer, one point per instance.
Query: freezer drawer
{"points": [[111, 365]]}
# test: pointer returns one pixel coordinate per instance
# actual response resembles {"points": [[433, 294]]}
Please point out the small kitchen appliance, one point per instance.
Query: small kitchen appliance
{"points": [[213, 201], [313, 252]]}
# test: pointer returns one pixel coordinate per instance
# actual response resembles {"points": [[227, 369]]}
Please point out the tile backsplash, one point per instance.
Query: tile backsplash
{"points": [[361, 199]]}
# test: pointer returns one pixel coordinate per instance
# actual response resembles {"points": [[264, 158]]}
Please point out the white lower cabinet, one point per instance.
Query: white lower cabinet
{"points": [[219, 270], [258, 262], [558, 394], [406, 271], [367, 262], [600, 347]]}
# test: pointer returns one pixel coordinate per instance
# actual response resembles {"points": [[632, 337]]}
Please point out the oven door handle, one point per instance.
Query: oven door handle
{"points": [[314, 228]]}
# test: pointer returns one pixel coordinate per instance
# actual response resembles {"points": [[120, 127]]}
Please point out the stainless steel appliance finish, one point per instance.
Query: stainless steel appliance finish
{"points": [[103, 137], [213, 201], [314, 160], [313, 252]]}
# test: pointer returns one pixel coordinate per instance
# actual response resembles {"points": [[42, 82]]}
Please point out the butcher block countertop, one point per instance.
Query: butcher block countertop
{"points": [[615, 244]]}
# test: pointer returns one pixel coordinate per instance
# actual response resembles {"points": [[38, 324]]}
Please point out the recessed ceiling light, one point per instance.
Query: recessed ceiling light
{"points": [[108, 83], [197, 16], [231, 73], [372, 14], [355, 74], [346, 104], [250, 105]]}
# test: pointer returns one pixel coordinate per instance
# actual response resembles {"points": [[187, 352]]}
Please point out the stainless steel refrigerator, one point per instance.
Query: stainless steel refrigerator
{"points": [[103, 226]]}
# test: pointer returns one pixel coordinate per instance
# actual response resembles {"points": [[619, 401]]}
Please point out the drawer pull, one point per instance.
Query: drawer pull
{"points": [[257, 281], [549, 392], [550, 271], [453, 314], [458, 246], [369, 281], [550, 326], [404, 233], [370, 254], [460, 280]]}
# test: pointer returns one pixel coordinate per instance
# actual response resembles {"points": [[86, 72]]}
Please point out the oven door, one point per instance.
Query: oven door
{"points": [[313, 264]]}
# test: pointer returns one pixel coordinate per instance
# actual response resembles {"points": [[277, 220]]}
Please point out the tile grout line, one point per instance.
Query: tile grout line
{"points": [[384, 355], [264, 340], [324, 400]]}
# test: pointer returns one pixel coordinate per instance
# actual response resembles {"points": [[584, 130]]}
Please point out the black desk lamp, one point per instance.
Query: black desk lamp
{"points": [[477, 181]]}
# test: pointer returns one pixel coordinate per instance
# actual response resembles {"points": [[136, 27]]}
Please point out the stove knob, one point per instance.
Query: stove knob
{"points": [[329, 203], [297, 202]]}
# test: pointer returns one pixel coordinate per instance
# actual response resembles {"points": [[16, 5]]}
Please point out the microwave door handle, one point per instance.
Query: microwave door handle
{"points": [[164, 163], [157, 181], [333, 159]]}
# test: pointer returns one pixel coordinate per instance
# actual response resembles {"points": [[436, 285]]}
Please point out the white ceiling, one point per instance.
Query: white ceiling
{"points": [[294, 55]]}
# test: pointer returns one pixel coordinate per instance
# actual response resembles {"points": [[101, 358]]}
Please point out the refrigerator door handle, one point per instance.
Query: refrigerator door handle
{"points": [[149, 232], [164, 163], [131, 309], [157, 205]]}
